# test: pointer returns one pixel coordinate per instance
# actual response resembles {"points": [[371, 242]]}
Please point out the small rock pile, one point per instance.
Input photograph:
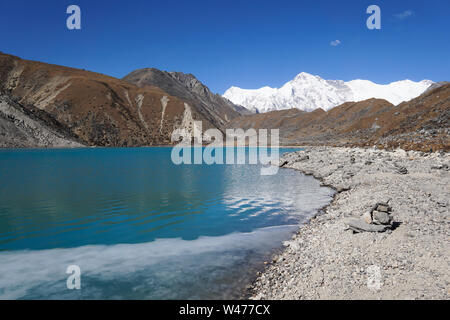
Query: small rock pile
{"points": [[378, 219], [400, 169]]}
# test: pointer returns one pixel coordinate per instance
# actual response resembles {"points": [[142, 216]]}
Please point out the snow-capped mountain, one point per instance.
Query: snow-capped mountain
{"points": [[308, 92]]}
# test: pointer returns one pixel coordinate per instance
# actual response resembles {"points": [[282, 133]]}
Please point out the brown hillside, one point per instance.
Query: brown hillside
{"points": [[99, 110], [420, 124], [188, 88]]}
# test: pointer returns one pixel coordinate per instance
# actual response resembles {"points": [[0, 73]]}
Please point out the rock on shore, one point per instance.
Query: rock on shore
{"points": [[326, 260]]}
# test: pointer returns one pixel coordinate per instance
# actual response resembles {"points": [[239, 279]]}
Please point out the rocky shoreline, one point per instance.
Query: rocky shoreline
{"points": [[328, 259]]}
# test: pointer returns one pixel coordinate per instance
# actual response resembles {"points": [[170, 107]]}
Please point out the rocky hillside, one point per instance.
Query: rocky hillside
{"points": [[43, 105], [421, 124], [30, 127], [214, 107], [95, 109]]}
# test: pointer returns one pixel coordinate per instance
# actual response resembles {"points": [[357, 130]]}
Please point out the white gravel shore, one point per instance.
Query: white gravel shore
{"points": [[324, 261]]}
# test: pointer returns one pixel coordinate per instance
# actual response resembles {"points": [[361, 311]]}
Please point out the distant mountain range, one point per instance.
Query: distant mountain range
{"points": [[308, 92], [422, 123], [44, 105], [93, 109]]}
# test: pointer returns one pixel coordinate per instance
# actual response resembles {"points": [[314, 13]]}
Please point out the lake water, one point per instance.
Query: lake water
{"points": [[140, 227]]}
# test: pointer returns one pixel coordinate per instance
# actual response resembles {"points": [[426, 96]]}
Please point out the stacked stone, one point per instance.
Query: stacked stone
{"points": [[378, 219]]}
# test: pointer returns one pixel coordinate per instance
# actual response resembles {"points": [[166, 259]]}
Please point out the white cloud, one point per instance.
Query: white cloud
{"points": [[335, 43], [404, 14]]}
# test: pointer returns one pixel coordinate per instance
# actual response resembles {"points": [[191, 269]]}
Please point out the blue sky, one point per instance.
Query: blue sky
{"points": [[244, 43]]}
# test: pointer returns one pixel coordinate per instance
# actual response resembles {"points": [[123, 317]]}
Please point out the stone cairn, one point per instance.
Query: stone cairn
{"points": [[378, 219]]}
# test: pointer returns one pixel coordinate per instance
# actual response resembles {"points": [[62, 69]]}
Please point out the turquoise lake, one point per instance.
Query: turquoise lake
{"points": [[139, 226]]}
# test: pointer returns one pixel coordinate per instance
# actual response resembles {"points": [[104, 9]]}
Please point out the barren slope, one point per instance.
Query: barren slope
{"points": [[213, 107], [421, 124], [97, 109], [26, 128]]}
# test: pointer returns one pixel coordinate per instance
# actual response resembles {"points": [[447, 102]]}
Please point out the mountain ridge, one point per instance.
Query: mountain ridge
{"points": [[44, 105], [217, 109], [308, 92], [97, 110], [422, 123]]}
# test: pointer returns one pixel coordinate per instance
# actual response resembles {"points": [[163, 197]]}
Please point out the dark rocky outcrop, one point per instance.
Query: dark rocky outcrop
{"points": [[29, 127], [214, 107]]}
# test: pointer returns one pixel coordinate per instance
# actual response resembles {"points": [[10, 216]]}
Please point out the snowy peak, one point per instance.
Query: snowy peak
{"points": [[304, 76], [309, 92], [395, 92]]}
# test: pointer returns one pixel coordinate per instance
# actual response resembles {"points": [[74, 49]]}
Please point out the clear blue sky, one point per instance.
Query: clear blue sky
{"points": [[242, 43]]}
